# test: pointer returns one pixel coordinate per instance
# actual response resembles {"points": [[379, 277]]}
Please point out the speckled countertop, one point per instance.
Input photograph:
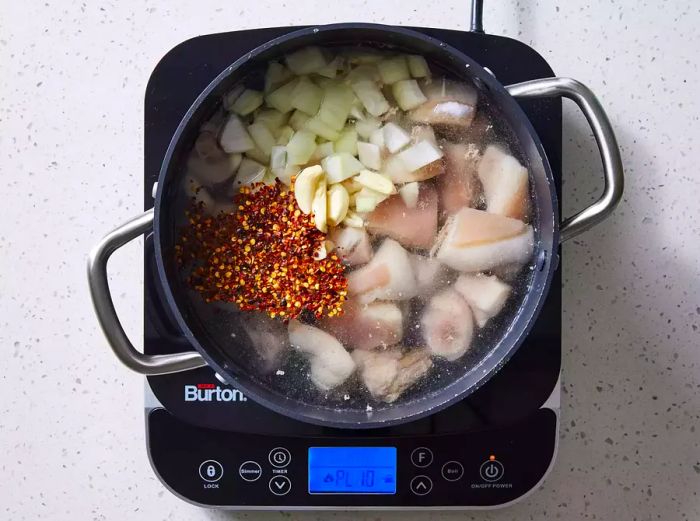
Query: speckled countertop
{"points": [[72, 79]]}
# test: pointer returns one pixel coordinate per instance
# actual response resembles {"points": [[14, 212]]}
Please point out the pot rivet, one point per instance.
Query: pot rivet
{"points": [[542, 260]]}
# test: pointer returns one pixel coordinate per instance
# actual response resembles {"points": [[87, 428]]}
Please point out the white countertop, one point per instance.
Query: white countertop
{"points": [[71, 108]]}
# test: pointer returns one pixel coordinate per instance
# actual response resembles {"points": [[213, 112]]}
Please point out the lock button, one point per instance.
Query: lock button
{"points": [[211, 471]]}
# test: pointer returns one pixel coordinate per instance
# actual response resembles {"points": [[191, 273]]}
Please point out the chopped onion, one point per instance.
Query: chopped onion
{"points": [[371, 96], [285, 134], [301, 147], [257, 155], [375, 181], [335, 107], [285, 174], [395, 138], [331, 70], [418, 155], [357, 112], [409, 194], [247, 102], [306, 60], [320, 128], [262, 137], [272, 119], [298, 120], [276, 75], [366, 200], [278, 157], [347, 142], [363, 56], [370, 155], [377, 138], [392, 70], [249, 172], [281, 99], [366, 126], [408, 94], [234, 137], [306, 96], [363, 73], [323, 150], [423, 133], [340, 166], [231, 97], [418, 66]]}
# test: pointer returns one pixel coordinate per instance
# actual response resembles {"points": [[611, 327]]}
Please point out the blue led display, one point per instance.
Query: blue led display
{"points": [[352, 470]]}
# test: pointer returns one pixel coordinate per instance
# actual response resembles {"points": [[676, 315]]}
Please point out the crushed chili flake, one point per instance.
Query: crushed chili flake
{"points": [[261, 257]]}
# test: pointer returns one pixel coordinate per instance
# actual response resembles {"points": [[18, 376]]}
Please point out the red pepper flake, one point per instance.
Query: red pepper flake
{"points": [[261, 257]]}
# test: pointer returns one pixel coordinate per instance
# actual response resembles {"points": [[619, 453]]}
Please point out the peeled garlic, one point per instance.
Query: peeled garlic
{"points": [[318, 206], [353, 220], [375, 181], [338, 202], [305, 187]]}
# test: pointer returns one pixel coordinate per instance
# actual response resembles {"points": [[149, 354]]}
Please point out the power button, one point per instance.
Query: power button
{"points": [[491, 470]]}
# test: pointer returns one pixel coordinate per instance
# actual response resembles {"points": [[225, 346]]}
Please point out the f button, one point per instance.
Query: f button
{"points": [[421, 457]]}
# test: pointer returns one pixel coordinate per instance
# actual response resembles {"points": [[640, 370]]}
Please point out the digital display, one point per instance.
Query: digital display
{"points": [[352, 470]]}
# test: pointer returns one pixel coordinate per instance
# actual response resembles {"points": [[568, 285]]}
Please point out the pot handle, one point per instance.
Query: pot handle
{"points": [[107, 315], [604, 136]]}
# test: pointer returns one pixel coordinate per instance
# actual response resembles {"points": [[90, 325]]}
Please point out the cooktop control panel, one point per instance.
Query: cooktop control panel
{"points": [[239, 470]]}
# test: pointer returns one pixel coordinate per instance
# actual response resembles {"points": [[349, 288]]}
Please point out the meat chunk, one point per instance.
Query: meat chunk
{"points": [[352, 245], [429, 274], [412, 227], [449, 103], [474, 240], [485, 294], [459, 186], [208, 163], [447, 325], [330, 363], [388, 276], [267, 337], [387, 374], [505, 183], [367, 326]]}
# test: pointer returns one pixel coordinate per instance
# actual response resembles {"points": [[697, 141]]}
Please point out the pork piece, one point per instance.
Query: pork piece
{"points": [[387, 374], [352, 245], [449, 103], [505, 183], [447, 325], [208, 163], [429, 274], [474, 240], [268, 339], [397, 171], [459, 186], [388, 276], [412, 227], [485, 294], [367, 326], [330, 363]]}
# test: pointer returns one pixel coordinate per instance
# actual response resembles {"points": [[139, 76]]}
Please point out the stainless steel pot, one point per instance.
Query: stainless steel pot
{"points": [[208, 350]]}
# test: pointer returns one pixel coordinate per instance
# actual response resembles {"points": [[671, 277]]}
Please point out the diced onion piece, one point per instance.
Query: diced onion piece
{"points": [[363, 56], [408, 94], [323, 150], [285, 174], [363, 73], [324, 82], [249, 172], [281, 98], [423, 133], [272, 119], [231, 97], [357, 112], [335, 107], [305, 187], [269, 177], [366, 126], [340, 166], [234, 137], [247, 102], [306, 96], [353, 220], [331, 70], [377, 138], [262, 137], [366, 200], [234, 161], [370, 155], [375, 181], [409, 193], [319, 206], [298, 120], [338, 202], [347, 142], [276, 75], [418, 66], [257, 155], [371, 96], [320, 128], [301, 147], [395, 138], [418, 155], [278, 157], [392, 70], [285, 134], [306, 60]]}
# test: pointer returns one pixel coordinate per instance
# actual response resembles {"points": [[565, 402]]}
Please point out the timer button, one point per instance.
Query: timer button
{"points": [[280, 485], [452, 470], [211, 470], [422, 457], [421, 485], [491, 470], [279, 457]]}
